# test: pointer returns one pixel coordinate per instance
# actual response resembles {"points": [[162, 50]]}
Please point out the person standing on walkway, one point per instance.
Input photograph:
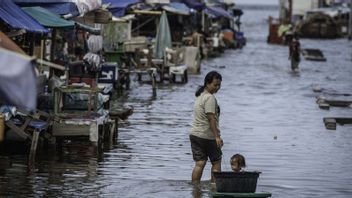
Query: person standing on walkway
{"points": [[295, 48], [205, 134]]}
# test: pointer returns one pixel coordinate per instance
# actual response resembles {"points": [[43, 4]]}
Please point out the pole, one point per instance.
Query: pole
{"points": [[290, 11], [350, 23]]}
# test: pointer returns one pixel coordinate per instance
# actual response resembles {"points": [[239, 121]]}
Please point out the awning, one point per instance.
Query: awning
{"points": [[88, 28], [217, 12], [197, 5], [14, 16], [63, 7], [47, 18], [177, 8], [118, 7]]}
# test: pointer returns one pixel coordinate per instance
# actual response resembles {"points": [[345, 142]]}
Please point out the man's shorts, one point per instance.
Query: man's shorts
{"points": [[204, 148]]}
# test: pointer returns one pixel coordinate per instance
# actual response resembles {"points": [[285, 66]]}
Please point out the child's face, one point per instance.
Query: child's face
{"points": [[234, 166]]}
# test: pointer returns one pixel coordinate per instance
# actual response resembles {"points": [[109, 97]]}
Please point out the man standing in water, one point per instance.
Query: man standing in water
{"points": [[205, 134], [295, 48]]}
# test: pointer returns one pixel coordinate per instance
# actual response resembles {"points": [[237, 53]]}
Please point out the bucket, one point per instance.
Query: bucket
{"points": [[241, 182], [2, 127]]}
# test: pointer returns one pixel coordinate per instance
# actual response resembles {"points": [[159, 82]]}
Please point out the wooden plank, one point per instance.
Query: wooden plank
{"points": [[313, 54], [242, 195], [324, 105], [339, 103], [63, 129], [17, 130], [330, 123], [343, 121], [33, 150]]}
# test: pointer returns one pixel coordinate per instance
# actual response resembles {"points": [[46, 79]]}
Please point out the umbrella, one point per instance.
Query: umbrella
{"points": [[163, 37]]}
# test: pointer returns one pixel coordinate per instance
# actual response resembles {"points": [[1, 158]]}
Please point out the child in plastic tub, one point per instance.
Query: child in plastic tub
{"points": [[237, 162]]}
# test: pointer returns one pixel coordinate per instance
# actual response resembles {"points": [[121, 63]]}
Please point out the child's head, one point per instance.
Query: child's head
{"points": [[237, 162]]}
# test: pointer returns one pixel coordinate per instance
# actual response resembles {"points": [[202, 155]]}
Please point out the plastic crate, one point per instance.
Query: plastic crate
{"points": [[241, 182]]}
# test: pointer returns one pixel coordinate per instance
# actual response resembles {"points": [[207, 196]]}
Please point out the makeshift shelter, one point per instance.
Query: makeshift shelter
{"points": [[194, 4], [47, 18], [319, 25], [177, 8], [15, 17], [216, 11], [118, 7], [63, 7]]}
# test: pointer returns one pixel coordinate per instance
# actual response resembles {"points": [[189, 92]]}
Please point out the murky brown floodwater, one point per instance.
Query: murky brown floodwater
{"points": [[260, 99]]}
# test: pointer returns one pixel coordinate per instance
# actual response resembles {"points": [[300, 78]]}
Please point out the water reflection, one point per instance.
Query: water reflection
{"points": [[268, 113]]}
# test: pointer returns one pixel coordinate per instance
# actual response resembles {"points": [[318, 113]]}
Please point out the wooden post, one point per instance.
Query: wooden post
{"points": [[33, 150], [290, 10], [59, 142], [153, 83], [2, 127], [111, 132], [100, 142], [116, 131], [128, 80], [350, 23], [52, 50]]}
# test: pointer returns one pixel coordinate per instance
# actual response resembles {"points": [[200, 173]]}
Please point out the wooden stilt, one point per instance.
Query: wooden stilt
{"points": [[116, 130], [59, 144], [33, 150], [111, 132], [128, 81], [185, 77], [100, 136], [172, 78], [153, 84]]}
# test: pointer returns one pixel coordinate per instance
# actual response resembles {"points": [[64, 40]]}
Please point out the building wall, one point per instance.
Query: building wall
{"points": [[299, 7]]}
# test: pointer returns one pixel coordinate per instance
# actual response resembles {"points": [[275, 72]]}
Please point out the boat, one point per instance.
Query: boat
{"points": [[313, 54]]}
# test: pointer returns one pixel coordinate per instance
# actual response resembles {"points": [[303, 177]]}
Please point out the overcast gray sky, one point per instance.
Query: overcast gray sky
{"points": [[270, 2]]}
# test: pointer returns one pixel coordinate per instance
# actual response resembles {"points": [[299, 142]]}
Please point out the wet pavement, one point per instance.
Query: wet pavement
{"points": [[269, 115]]}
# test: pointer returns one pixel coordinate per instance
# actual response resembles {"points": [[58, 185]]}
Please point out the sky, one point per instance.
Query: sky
{"points": [[261, 2]]}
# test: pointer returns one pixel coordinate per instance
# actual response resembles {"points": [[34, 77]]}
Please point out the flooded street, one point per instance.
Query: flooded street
{"points": [[268, 114]]}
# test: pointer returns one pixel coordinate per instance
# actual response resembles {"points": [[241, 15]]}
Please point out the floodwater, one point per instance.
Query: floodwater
{"points": [[268, 114]]}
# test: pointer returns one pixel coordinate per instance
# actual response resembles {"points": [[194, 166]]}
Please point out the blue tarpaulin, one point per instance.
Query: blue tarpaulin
{"points": [[217, 12], [197, 5], [118, 7], [61, 7], [47, 18], [178, 8], [14, 16]]}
